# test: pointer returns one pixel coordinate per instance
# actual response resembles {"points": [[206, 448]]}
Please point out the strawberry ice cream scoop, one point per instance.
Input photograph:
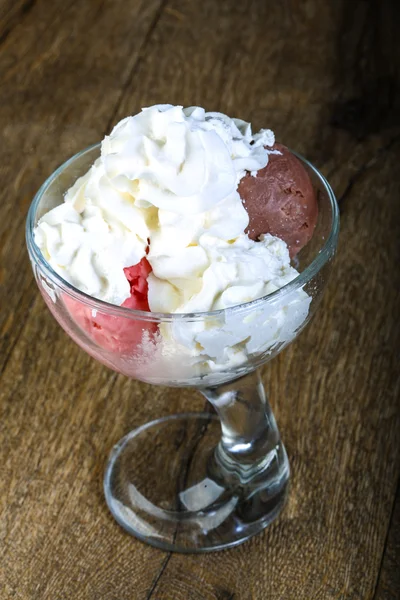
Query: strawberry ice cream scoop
{"points": [[280, 200], [137, 277], [117, 333]]}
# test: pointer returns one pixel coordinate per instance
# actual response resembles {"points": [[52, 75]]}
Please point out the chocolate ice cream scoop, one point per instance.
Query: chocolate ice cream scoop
{"points": [[280, 200]]}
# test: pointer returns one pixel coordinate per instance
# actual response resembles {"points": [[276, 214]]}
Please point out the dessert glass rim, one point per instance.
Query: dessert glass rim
{"points": [[324, 254]]}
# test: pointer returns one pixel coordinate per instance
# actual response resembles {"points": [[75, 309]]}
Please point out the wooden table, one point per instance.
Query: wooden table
{"points": [[323, 76]]}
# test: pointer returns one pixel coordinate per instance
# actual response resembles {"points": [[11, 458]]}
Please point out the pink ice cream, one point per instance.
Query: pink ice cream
{"points": [[117, 333]]}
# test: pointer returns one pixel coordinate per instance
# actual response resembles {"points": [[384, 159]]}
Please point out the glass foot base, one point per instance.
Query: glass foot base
{"points": [[165, 485]]}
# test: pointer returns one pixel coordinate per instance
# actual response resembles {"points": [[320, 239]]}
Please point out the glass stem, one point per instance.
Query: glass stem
{"points": [[250, 436]]}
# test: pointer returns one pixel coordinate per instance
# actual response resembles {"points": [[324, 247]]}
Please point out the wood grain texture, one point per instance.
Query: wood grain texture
{"points": [[323, 76]]}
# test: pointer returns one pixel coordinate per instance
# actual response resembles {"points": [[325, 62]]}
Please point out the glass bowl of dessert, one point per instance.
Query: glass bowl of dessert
{"points": [[186, 251]]}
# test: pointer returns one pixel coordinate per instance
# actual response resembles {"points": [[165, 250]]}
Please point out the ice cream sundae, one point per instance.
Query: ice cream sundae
{"points": [[185, 211]]}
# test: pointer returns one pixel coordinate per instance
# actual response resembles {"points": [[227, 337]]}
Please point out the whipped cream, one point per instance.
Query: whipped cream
{"points": [[182, 160], [232, 273], [237, 272], [93, 235]]}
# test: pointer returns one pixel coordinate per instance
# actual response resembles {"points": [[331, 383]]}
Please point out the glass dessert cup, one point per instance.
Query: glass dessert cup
{"points": [[194, 482]]}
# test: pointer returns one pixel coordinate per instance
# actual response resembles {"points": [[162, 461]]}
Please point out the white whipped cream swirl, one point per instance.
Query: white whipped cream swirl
{"points": [[93, 236], [182, 160], [236, 272]]}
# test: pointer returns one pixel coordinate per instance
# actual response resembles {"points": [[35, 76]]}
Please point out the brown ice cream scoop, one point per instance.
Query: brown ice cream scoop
{"points": [[280, 200]]}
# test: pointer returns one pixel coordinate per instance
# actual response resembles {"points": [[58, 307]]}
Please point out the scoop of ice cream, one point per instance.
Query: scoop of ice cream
{"points": [[117, 334], [280, 200]]}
